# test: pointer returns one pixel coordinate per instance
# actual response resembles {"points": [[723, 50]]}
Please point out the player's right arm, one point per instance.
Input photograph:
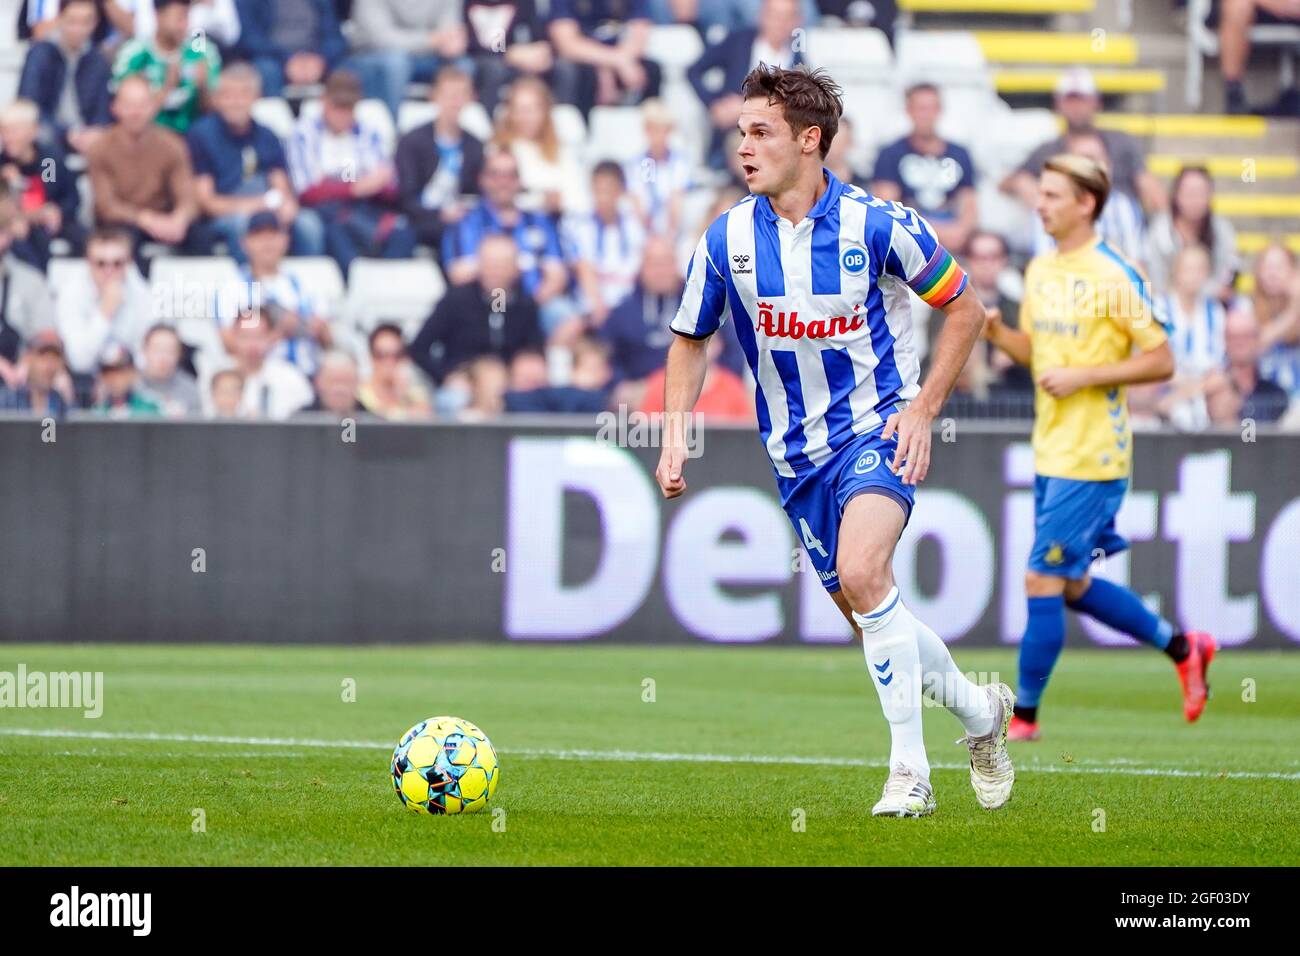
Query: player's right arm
{"points": [[703, 310], [688, 362], [1012, 341]]}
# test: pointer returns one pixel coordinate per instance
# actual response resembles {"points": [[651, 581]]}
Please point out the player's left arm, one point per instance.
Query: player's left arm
{"points": [[909, 250], [962, 325]]}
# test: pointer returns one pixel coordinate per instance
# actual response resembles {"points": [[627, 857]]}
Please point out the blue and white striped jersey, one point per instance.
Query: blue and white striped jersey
{"points": [[822, 312]]}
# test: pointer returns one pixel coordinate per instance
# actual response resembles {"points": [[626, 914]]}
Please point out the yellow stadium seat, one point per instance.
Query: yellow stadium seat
{"points": [[1217, 127], [1227, 167], [1253, 243], [1266, 205], [1042, 7], [1112, 49], [1108, 81]]}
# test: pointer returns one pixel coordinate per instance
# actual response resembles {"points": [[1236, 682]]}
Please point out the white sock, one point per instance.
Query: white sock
{"points": [[943, 682], [889, 644]]}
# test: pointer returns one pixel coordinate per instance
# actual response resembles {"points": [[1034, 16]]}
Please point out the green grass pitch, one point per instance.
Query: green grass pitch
{"points": [[744, 756]]}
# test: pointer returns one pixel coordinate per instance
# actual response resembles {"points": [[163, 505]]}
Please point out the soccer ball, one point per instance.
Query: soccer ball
{"points": [[445, 765]]}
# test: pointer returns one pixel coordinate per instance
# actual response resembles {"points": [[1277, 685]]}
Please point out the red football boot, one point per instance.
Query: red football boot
{"points": [[1022, 729], [1192, 673]]}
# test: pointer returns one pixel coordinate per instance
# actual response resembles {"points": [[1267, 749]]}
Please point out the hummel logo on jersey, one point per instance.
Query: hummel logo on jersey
{"points": [[780, 325], [740, 265], [884, 678]]}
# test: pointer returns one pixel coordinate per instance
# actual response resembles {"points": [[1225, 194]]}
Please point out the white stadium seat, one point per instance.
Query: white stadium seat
{"points": [[398, 290], [473, 118], [945, 58], [852, 56], [321, 277], [569, 127], [674, 47], [617, 133], [275, 114]]}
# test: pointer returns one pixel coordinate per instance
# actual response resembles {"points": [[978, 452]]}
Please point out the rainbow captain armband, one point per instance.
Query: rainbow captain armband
{"points": [[941, 281]]}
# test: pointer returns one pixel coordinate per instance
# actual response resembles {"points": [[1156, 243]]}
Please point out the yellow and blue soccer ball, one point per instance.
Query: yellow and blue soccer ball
{"points": [[445, 765]]}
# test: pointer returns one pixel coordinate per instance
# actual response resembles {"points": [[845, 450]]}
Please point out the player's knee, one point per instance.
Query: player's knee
{"points": [[1042, 585], [865, 581], [1076, 588]]}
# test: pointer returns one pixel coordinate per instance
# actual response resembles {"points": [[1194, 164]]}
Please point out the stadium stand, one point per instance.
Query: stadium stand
{"points": [[999, 66]]}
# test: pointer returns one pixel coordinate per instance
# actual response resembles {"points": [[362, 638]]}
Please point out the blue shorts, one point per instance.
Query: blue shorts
{"points": [[1074, 523], [815, 502]]}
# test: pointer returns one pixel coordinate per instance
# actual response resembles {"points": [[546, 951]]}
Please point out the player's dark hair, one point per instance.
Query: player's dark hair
{"points": [[109, 234], [807, 98]]}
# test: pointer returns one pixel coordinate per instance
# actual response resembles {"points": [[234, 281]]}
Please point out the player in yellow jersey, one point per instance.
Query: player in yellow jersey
{"points": [[1088, 329]]}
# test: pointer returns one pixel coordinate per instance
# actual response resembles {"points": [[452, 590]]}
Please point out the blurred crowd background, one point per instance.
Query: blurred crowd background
{"points": [[466, 209]]}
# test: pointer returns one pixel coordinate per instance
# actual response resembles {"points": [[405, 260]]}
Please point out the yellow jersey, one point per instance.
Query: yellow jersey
{"points": [[1087, 307]]}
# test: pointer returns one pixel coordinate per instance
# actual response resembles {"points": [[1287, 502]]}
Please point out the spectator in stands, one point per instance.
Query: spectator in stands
{"points": [[549, 170], [987, 260], [587, 391], [1276, 306], [290, 41], [272, 387], [481, 386], [604, 245], [506, 40], [405, 41], [724, 397], [393, 390], [1260, 399], [41, 183], [1191, 220], [25, 304], [301, 330], [1078, 102], [180, 68], [491, 316], [67, 77], [45, 389], [738, 53], [162, 380], [1120, 225], [337, 383], [141, 172], [541, 262], [924, 171], [637, 330], [240, 169], [839, 159], [216, 19], [1236, 17], [110, 303], [439, 163], [659, 179], [226, 394], [600, 51], [116, 395], [342, 168], [1197, 321]]}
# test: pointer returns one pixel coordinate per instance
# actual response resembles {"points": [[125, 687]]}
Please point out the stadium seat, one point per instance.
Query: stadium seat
{"points": [[1252, 243], [371, 111], [570, 127], [1191, 125], [674, 47], [320, 275], [275, 114], [852, 55], [1071, 49], [62, 273], [1034, 7], [616, 133], [942, 57], [398, 290], [473, 119], [1226, 167], [1108, 81]]}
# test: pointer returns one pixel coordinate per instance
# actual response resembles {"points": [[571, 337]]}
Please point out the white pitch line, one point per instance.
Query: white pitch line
{"points": [[1121, 768]]}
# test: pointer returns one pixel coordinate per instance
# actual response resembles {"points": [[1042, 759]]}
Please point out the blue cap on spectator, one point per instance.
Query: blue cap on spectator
{"points": [[264, 220]]}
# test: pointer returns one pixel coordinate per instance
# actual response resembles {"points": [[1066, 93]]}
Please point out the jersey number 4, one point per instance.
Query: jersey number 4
{"points": [[811, 542]]}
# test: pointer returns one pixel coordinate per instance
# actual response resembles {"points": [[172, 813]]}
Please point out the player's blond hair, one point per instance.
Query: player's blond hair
{"points": [[1086, 175]]}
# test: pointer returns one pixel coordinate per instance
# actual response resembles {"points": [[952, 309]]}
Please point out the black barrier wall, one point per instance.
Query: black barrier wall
{"points": [[117, 531]]}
